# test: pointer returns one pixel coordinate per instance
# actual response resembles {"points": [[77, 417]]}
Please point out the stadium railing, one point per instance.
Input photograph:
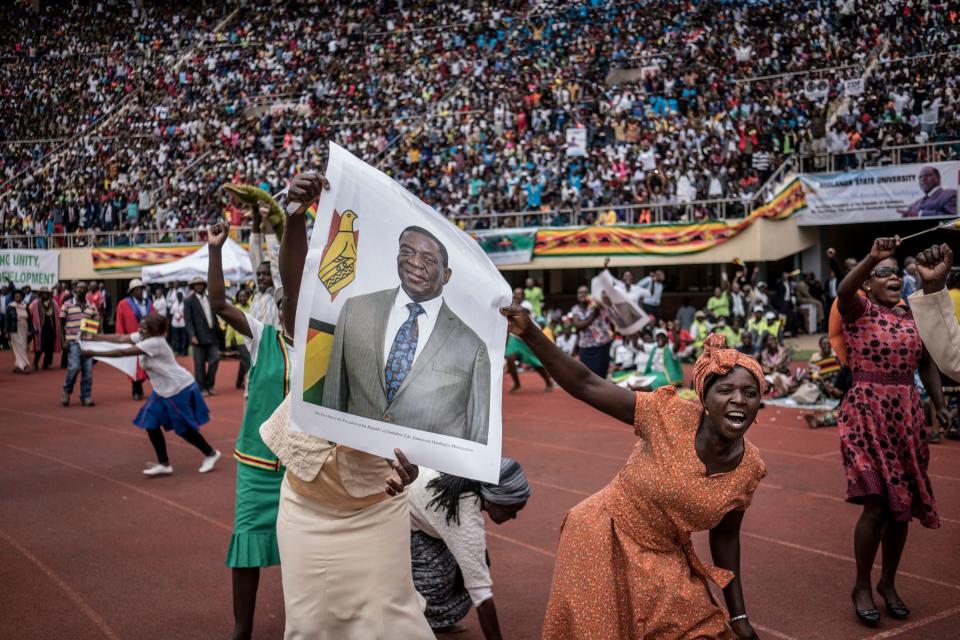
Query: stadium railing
{"points": [[939, 151], [633, 213], [113, 239]]}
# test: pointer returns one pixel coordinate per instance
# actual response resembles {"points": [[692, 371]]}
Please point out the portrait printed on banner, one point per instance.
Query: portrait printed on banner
{"points": [[936, 201], [402, 355]]}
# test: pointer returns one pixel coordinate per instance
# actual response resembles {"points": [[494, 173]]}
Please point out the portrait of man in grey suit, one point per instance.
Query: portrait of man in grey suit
{"points": [[402, 356]]}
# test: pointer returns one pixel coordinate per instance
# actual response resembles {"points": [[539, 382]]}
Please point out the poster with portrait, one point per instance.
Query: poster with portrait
{"points": [[576, 142], [626, 315], [398, 328], [878, 194]]}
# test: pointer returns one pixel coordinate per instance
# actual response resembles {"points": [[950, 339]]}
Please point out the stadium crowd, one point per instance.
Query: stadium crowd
{"points": [[467, 106]]}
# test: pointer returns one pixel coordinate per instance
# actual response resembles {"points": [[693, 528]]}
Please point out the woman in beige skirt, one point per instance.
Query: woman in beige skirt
{"points": [[18, 326], [343, 526]]}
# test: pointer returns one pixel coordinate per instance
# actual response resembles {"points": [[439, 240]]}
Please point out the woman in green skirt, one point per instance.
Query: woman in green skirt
{"points": [[518, 350], [259, 473], [663, 364]]}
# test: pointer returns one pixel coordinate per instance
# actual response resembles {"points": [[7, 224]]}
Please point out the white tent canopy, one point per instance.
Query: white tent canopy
{"points": [[236, 266]]}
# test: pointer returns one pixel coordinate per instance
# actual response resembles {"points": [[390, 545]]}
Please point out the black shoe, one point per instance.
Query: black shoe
{"points": [[869, 617], [897, 610]]}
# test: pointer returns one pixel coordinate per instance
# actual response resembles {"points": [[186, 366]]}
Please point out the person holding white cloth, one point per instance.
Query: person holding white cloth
{"points": [[934, 312], [632, 292]]}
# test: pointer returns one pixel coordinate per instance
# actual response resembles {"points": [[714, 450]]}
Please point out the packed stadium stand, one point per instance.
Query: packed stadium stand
{"points": [[128, 116]]}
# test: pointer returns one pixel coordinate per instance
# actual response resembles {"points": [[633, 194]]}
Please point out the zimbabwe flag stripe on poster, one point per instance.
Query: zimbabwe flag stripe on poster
{"points": [[319, 344]]}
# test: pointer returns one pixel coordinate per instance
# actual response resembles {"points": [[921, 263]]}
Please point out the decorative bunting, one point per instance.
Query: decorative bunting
{"points": [[657, 239], [661, 239]]}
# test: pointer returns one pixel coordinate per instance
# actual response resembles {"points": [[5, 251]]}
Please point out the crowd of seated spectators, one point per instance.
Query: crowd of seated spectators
{"points": [[140, 114]]}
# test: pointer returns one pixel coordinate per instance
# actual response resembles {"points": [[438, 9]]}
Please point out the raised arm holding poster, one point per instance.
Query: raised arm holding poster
{"points": [[398, 320]]}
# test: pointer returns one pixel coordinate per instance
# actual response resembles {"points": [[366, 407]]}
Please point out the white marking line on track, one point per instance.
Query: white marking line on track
{"points": [[832, 434], [825, 496], [121, 432], [620, 459], [576, 424], [558, 487], [807, 456], [80, 423], [828, 454], [771, 632], [71, 593], [910, 626], [529, 547], [763, 450], [125, 485], [838, 556]]}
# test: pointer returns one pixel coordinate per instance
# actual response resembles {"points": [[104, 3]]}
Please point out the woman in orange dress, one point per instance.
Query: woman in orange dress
{"points": [[626, 567]]}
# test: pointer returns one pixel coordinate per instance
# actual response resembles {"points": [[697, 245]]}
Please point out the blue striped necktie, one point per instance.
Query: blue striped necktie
{"points": [[400, 360]]}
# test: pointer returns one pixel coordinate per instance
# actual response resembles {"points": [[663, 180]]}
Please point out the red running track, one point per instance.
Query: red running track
{"points": [[90, 548]]}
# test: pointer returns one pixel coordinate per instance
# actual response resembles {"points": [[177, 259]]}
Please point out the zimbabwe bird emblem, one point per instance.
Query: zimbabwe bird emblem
{"points": [[339, 262]]}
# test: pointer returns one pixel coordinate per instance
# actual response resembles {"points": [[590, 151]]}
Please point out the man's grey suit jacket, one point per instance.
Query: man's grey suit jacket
{"points": [[447, 390]]}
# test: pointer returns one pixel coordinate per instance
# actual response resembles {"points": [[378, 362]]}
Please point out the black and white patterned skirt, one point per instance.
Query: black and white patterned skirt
{"points": [[437, 577]]}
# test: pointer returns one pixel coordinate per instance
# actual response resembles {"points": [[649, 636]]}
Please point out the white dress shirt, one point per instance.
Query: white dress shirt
{"points": [[205, 303], [736, 304], [635, 294], [177, 320], [398, 315], [567, 343], [264, 305], [167, 377], [653, 289]]}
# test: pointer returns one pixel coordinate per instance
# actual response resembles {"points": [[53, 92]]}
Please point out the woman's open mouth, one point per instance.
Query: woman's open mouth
{"points": [[737, 419]]}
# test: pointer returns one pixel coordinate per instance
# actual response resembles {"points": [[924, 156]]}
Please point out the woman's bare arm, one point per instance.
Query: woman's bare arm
{"points": [[572, 375], [216, 236], [116, 338], [119, 352]]}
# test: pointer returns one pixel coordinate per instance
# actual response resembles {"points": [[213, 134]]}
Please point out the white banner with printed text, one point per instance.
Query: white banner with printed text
{"points": [[34, 267], [878, 194]]}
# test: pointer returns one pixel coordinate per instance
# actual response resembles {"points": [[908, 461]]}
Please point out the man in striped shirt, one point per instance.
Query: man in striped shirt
{"points": [[72, 314], [761, 164]]}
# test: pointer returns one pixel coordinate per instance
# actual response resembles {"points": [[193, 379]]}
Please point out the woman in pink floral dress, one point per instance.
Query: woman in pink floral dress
{"points": [[883, 432]]}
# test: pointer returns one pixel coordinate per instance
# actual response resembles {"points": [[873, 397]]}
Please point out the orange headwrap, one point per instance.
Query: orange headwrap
{"points": [[716, 360]]}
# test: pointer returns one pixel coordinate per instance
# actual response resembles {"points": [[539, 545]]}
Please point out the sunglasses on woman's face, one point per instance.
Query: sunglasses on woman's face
{"points": [[883, 272]]}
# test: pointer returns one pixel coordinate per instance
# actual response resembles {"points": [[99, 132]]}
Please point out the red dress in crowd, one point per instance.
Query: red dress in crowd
{"points": [[128, 321], [883, 435]]}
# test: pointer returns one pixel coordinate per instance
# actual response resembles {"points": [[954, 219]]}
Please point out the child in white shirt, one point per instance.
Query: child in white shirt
{"points": [[175, 404]]}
